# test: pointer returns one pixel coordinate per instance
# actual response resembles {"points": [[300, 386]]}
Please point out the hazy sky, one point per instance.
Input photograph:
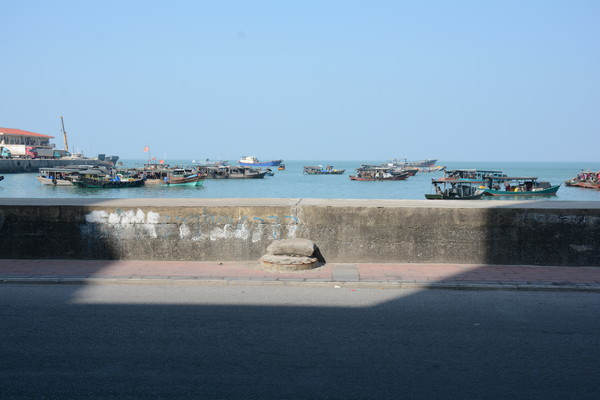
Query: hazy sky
{"points": [[317, 80]]}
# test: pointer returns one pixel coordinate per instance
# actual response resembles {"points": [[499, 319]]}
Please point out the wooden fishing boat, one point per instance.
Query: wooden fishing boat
{"points": [[230, 172], [375, 173], [519, 186], [472, 175], [171, 177], [97, 181], [585, 179], [320, 170], [65, 175], [454, 190], [432, 169]]}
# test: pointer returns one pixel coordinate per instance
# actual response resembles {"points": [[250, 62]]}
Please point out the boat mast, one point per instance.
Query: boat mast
{"points": [[64, 133]]}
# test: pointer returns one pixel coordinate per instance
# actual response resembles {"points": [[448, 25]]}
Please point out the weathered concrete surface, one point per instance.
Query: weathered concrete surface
{"points": [[413, 231], [33, 165]]}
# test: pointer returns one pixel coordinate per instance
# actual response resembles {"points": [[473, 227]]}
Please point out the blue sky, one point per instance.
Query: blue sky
{"points": [[328, 80]]}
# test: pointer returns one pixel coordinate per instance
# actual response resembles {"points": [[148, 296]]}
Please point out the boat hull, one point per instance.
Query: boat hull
{"points": [[272, 163], [392, 178], [545, 192], [54, 182], [436, 196], [102, 184]]}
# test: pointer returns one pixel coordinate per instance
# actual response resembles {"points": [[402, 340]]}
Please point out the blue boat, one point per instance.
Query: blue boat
{"points": [[251, 161]]}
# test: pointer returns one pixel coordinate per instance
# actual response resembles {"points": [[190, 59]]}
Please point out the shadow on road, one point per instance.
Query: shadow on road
{"points": [[134, 341]]}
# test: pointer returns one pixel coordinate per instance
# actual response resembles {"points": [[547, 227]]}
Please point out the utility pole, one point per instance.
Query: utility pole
{"points": [[64, 133]]}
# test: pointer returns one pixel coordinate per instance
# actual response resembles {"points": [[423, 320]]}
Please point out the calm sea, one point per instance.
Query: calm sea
{"points": [[292, 183]]}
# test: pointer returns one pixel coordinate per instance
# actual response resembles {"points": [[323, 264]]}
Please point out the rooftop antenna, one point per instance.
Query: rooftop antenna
{"points": [[64, 133]]}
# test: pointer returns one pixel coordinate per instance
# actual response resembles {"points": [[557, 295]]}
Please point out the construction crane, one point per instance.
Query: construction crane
{"points": [[64, 133]]}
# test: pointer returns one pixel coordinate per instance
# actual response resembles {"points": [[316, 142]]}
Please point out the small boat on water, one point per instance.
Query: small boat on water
{"points": [[374, 173], [321, 170], [97, 179], [169, 176], [472, 175], [105, 182], [432, 169], [230, 172], [251, 161], [585, 179], [454, 190], [64, 176], [417, 164], [519, 186], [1, 177], [281, 167]]}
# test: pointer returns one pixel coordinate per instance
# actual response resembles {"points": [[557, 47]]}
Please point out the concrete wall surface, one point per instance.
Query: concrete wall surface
{"points": [[395, 231]]}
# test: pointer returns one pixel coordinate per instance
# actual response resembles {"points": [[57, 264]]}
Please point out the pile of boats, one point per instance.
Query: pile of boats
{"points": [[389, 171], [585, 179], [88, 176], [93, 176], [473, 184]]}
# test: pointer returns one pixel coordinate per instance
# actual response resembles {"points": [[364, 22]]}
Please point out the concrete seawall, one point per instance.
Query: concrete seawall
{"points": [[399, 231], [33, 165]]}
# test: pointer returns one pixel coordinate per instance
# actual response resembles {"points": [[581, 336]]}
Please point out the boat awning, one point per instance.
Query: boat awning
{"points": [[512, 178]]}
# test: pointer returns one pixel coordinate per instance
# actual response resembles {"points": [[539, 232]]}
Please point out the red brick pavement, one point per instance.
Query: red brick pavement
{"points": [[249, 270]]}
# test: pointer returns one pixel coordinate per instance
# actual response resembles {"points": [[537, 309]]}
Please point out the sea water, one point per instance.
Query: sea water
{"points": [[292, 183]]}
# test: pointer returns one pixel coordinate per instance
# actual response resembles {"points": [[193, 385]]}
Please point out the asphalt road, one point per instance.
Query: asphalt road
{"points": [[281, 342]]}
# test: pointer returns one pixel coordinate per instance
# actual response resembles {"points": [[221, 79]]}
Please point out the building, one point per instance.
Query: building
{"points": [[11, 137]]}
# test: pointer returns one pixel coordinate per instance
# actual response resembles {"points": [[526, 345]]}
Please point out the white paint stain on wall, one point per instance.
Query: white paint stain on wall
{"points": [[130, 224]]}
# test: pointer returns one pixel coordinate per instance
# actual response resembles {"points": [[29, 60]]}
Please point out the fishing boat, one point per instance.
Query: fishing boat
{"points": [[99, 180], [585, 179], [417, 164], [65, 175], [170, 177], [375, 173], [281, 167], [454, 190], [436, 168], [251, 161], [472, 175], [321, 170], [231, 172], [519, 186]]}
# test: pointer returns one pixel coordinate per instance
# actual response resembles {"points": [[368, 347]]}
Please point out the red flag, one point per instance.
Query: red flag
{"points": [[146, 149], [161, 162]]}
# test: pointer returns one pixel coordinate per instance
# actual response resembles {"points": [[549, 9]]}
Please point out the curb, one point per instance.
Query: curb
{"points": [[302, 282]]}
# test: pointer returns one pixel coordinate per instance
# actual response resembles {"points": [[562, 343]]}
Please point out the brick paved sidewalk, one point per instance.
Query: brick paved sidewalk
{"points": [[360, 274]]}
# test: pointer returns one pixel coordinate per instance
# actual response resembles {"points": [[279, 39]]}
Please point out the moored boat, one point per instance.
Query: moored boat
{"points": [[432, 169], [251, 161], [519, 186], [585, 179], [374, 173], [417, 164], [171, 177], [472, 175], [65, 175], [454, 190], [92, 179], [231, 172], [321, 170]]}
